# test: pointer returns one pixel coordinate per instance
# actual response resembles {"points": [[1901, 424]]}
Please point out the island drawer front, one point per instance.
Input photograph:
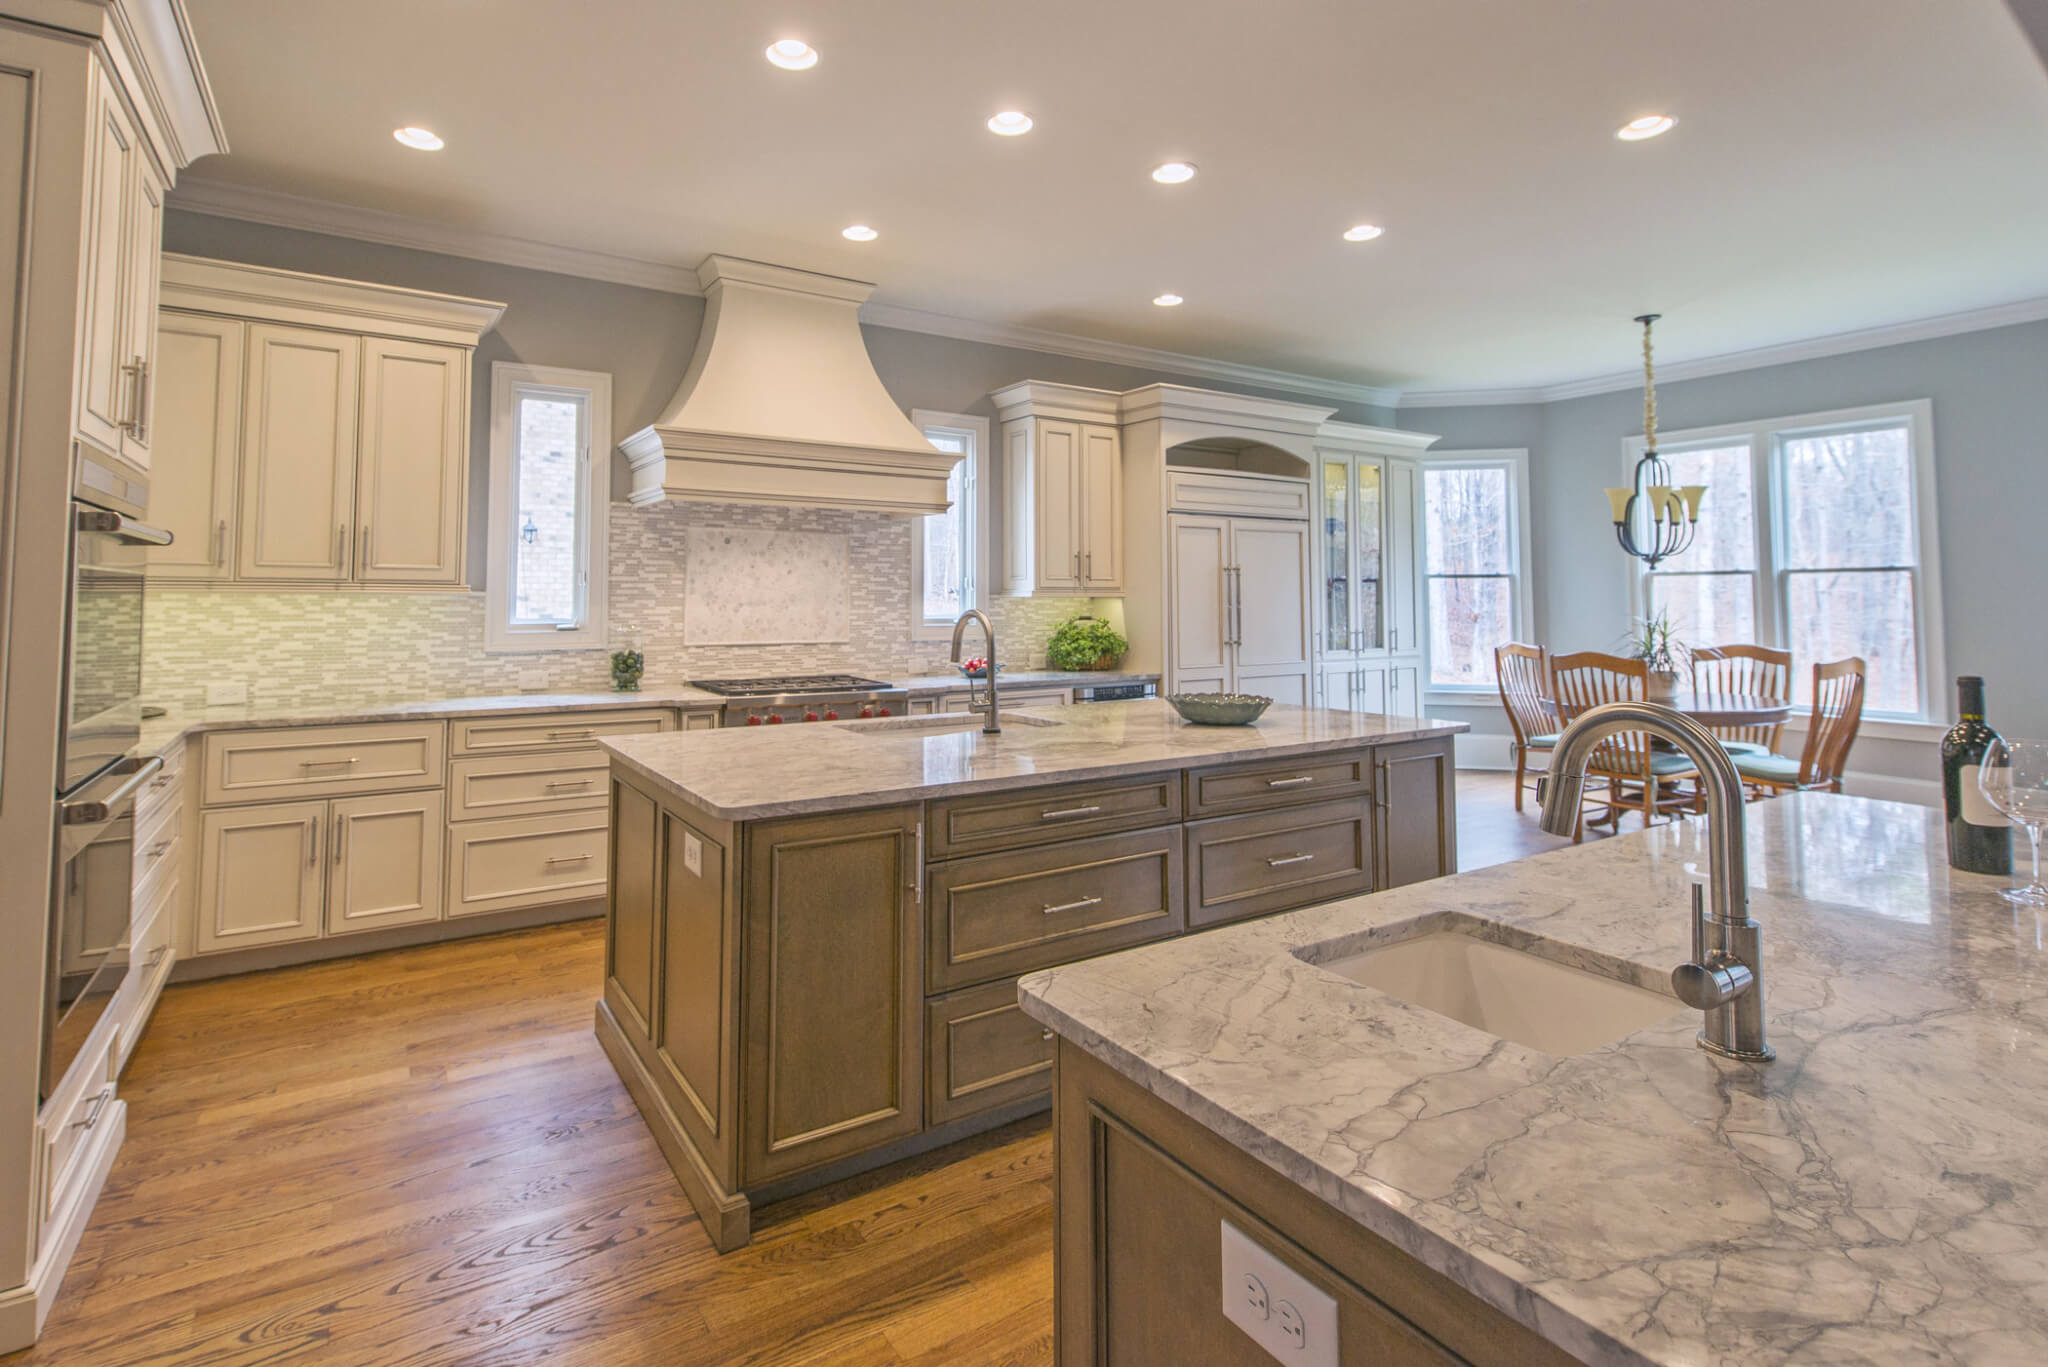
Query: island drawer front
{"points": [[1007, 820], [529, 861], [1242, 866], [482, 786], [555, 730], [981, 1051], [1002, 915], [326, 761], [1278, 783]]}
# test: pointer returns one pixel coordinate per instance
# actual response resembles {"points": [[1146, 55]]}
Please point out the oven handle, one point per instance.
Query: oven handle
{"points": [[97, 810], [126, 528]]}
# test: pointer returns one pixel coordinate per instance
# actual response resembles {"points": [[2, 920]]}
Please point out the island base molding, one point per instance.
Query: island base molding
{"points": [[1141, 1193]]}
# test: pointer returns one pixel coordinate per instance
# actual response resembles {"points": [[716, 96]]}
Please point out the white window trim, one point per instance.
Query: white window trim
{"points": [[1516, 461], [1764, 436], [976, 488], [508, 378]]}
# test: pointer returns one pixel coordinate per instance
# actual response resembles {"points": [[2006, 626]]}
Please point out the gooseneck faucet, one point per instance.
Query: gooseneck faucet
{"points": [[1725, 976], [995, 723]]}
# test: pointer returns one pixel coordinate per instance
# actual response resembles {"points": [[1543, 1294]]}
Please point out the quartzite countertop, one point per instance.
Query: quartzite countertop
{"points": [[751, 773], [1877, 1195]]}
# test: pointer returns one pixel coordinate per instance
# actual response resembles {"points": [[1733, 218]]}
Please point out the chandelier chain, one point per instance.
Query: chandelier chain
{"points": [[1649, 393]]}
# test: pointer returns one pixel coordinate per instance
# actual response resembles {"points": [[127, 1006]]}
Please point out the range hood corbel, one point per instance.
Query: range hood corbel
{"points": [[781, 404]]}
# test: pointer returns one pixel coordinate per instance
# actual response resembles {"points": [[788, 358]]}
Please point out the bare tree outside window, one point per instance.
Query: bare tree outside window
{"points": [[1709, 589], [1471, 570]]}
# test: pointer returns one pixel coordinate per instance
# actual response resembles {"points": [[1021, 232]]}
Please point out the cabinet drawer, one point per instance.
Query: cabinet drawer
{"points": [[553, 731], [154, 834], [996, 821], [526, 784], [981, 1051], [148, 966], [156, 867], [1278, 783], [1001, 915], [162, 791], [1246, 865], [328, 761], [526, 861], [83, 1103]]}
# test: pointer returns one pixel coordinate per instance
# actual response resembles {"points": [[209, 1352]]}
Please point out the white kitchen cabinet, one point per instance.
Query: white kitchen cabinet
{"points": [[298, 454], [412, 463], [199, 415], [384, 866], [260, 875], [113, 148], [139, 296], [1239, 609], [1100, 510], [1064, 507], [1368, 559]]}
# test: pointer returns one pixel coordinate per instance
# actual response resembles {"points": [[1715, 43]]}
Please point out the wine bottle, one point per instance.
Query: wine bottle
{"points": [[1979, 838]]}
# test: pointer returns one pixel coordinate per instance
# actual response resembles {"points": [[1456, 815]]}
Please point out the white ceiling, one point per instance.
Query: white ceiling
{"points": [[1838, 164]]}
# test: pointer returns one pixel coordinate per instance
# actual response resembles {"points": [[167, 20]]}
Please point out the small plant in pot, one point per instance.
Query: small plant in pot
{"points": [[1084, 643], [1652, 641]]}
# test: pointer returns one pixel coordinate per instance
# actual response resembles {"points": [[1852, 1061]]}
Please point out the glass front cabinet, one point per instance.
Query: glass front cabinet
{"points": [[1368, 560]]}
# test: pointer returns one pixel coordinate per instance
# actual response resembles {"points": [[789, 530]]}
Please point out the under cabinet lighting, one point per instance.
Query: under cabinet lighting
{"points": [[793, 54], [859, 232], [1167, 301], [1010, 123], [1648, 126], [1364, 232], [419, 139], [1174, 172]]}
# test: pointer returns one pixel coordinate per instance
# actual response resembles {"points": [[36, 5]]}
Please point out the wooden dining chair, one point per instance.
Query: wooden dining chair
{"points": [[1524, 676], [1627, 759], [1831, 730], [1752, 671]]}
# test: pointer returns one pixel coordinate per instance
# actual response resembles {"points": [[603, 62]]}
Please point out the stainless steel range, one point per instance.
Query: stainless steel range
{"points": [[782, 698]]}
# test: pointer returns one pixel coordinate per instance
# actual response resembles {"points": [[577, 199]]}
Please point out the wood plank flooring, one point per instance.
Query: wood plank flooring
{"points": [[421, 1158]]}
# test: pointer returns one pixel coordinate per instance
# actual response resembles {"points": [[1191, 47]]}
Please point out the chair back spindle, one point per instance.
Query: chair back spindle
{"points": [[1837, 715], [1751, 671], [1589, 678], [1524, 685]]}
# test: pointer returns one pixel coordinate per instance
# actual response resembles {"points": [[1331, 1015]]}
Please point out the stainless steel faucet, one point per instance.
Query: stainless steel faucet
{"points": [[995, 723], [1725, 977]]}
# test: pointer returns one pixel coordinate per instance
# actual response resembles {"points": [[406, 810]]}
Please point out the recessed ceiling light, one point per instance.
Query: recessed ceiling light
{"points": [[1648, 126], [1010, 123], [859, 232], [793, 54], [1174, 173], [1167, 301], [421, 139], [1364, 232]]}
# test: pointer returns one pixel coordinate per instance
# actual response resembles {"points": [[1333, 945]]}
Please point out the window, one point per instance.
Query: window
{"points": [[1817, 535], [1475, 557], [946, 548], [550, 496]]}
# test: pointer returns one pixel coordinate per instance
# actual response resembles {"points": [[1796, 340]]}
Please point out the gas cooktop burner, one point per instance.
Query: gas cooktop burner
{"points": [[786, 685]]}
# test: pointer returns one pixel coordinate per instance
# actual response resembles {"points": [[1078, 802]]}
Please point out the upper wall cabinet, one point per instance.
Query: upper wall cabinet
{"points": [[314, 431], [1063, 490]]}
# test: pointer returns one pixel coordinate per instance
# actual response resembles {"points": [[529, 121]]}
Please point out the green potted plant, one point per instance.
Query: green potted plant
{"points": [[1084, 642], [1652, 641]]}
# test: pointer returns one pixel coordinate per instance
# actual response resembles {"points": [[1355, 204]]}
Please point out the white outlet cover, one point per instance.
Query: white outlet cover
{"points": [[1242, 1258], [227, 694], [533, 681]]}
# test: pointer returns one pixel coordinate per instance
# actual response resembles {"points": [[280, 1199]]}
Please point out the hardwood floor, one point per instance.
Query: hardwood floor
{"points": [[421, 1157]]}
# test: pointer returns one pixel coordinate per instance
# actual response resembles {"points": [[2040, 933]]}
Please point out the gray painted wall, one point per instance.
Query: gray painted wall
{"points": [[1990, 398], [644, 338]]}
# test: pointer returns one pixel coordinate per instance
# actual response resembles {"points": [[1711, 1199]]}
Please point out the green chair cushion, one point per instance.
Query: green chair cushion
{"points": [[1744, 747], [1545, 741], [1776, 768], [1661, 764]]}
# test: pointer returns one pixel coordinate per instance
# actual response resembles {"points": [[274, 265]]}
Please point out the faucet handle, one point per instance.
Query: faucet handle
{"points": [[1699, 921]]}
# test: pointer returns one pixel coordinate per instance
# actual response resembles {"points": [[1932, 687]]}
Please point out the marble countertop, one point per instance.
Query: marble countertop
{"points": [[749, 773], [1878, 1194], [160, 733]]}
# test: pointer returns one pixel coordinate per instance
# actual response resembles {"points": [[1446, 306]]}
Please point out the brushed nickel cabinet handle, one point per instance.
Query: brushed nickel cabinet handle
{"points": [[142, 399], [328, 763], [1063, 812], [313, 843], [363, 554], [1297, 781], [1281, 861], [1081, 905], [92, 1117], [570, 783], [340, 839], [156, 851], [341, 547], [130, 422], [156, 956], [585, 734], [220, 544], [1045, 1034], [568, 859]]}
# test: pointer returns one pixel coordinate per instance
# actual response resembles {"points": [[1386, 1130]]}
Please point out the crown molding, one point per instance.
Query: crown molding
{"points": [[202, 285], [1756, 358]]}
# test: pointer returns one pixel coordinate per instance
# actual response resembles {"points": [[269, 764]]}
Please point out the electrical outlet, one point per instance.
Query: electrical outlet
{"points": [[533, 681], [227, 694], [1281, 1310]]}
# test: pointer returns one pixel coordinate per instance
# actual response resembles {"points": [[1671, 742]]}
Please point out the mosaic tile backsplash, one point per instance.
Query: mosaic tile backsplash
{"points": [[307, 646]]}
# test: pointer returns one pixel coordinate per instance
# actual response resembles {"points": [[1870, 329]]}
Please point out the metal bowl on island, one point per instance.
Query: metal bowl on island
{"points": [[1219, 709]]}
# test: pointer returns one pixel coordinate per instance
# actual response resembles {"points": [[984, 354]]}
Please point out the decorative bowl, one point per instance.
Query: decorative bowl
{"points": [[1219, 709]]}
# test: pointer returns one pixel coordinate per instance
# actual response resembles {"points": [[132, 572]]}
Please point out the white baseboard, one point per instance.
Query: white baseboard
{"points": [[1485, 752], [23, 1309]]}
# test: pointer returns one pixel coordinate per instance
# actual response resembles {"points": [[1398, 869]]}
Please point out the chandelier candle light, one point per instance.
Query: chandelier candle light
{"points": [[1674, 513]]}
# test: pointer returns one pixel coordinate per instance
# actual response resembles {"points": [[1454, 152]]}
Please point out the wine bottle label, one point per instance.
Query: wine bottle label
{"points": [[1977, 809]]}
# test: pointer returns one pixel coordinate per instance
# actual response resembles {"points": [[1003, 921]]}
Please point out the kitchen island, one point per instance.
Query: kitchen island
{"points": [[814, 932], [1879, 1194]]}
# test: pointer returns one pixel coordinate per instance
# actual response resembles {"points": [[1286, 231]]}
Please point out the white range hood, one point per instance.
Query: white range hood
{"points": [[782, 405]]}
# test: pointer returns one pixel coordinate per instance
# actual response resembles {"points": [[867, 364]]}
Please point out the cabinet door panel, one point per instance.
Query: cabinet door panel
{"points": [[1369, 689], [833, 993], [386, 862], [414, 458], [1404, 689], [103, 383], [1102, 510], [1418, 835], [1200, 551], [1057, 511], [199, 424], [1275, 630], [1403, 564], [1335, 687], [145, 230], [299, 450], [260, 875], [635, 878]]}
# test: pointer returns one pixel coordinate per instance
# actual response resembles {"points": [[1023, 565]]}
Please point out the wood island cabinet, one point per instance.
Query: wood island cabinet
{"points": [[793, 999]]}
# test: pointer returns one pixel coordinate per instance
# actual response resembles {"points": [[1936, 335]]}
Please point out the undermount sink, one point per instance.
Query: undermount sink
{"points": [[943, 723], [1547, 1006]]}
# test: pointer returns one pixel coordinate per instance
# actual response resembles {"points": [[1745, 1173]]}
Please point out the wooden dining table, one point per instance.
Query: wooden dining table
{"points": [[1718, 709]]}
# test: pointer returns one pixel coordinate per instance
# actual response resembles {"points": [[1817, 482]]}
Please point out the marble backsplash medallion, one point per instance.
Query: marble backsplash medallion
{"points": [[297, 646], [747, 586]]}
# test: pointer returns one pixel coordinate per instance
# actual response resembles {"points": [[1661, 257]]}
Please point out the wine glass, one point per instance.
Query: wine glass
{"points": [[2013, 776]]}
